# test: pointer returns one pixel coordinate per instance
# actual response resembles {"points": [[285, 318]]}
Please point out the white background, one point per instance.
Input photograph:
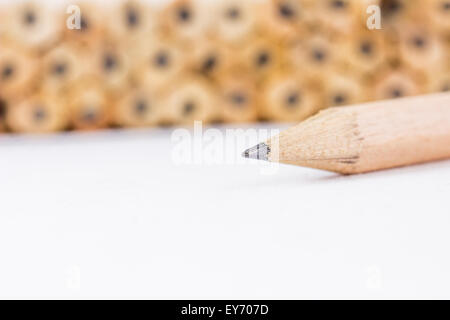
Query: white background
{"points": [[109, 215]]}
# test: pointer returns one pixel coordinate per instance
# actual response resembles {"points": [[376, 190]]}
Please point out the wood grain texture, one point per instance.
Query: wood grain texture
{"points": [[369, 137]]}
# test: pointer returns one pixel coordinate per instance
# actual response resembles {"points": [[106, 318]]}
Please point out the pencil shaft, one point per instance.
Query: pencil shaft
{"points": [[369, 137]]}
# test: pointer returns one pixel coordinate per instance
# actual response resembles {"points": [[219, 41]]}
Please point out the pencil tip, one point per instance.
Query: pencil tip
{"points": [[259, 152]]}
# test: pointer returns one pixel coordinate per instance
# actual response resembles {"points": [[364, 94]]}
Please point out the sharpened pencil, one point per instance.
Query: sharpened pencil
{"points": [[367, 137]]}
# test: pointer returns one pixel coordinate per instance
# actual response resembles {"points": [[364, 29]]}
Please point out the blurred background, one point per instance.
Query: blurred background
{"points": [[158, 63]]}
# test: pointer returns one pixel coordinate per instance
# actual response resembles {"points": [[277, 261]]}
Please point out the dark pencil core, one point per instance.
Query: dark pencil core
{"points": [[263, 58], [366, 48], [7, 72], [209, 64], [184, 14], [59, 69], [188, 108], [162, 59], [397, 93], [39, 114], [258, 152], [339, 4]]}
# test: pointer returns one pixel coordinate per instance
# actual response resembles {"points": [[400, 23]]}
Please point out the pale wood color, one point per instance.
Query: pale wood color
{"points": [[141, 107], [238, 99], [191, 99], [369, 137], [39, 113], [235, 21]]}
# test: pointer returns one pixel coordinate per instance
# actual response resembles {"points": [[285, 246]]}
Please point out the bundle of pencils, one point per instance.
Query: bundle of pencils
{"points": [[131, 64]]}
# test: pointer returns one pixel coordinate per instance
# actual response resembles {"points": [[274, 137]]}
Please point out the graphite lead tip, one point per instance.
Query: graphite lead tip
{"points": [[259, 152]]}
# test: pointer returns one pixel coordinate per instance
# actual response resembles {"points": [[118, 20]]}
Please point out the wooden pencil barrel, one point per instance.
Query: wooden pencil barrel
{"points": [[190, 100], [417, 131], [324, 43], [40, 113], [285, 97], [140, 107]]}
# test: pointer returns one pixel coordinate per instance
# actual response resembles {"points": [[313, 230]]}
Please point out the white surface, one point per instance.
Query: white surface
{"points": [[109, 215]]}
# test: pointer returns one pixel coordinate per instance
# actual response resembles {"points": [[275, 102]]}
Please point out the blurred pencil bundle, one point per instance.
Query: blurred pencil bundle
{"points": [[131, 64]]}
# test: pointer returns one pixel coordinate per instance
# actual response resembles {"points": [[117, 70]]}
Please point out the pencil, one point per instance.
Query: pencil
{"points": [[32, 25], [39, 113], [89, 106], [235, 21], [365, 138], [133, 20], [190, 99], [238, 99], [139, 108], [18, 71]]}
